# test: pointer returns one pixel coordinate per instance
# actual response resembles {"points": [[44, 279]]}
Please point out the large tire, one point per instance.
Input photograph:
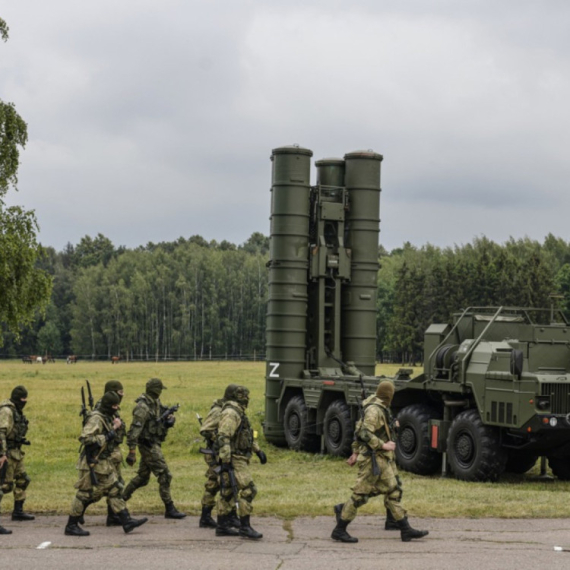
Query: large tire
{"points": [[474, 450], [520, 462], [560, 466], [296, 426], [338, 429], [413, 450]]}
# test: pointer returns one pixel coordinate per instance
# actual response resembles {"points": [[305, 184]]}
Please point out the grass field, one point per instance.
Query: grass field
{"points": [[291, 484]]}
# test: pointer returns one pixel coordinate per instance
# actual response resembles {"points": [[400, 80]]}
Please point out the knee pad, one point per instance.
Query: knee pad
{"points": [[23, 481], [249, 492], [359, 501]]}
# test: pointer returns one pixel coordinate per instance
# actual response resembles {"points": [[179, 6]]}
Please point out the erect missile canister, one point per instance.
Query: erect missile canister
{"points": [[358, 331], [330, 172], [288, 270]]}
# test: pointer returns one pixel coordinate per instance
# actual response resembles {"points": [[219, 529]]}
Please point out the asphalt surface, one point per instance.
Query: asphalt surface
{"points": [[304, 543]]}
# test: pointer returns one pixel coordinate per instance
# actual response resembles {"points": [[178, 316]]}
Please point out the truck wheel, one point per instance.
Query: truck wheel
{"points": [[413, 450], [474, 450], [560, 467], [296, 426], [338, 429], [520, 462]]}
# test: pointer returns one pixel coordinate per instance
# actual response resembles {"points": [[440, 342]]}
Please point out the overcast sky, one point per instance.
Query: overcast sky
{"points": [[154, 119]]}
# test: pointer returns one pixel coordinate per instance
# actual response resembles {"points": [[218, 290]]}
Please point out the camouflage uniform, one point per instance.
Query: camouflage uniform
{"points": [[373, 435], [13, 430], [209, 431], [148, 432], [98, 444], [116, 457], [236, 445]]}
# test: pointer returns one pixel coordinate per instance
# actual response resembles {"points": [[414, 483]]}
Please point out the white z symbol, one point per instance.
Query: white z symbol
{"points": [[274, 366]]}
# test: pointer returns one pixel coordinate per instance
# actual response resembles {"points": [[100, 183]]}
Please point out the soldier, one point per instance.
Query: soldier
{"points": [[97, 475], [148, 432], [116, 457], [209, 430], [373, 433], [236, 443], [13, 476]]}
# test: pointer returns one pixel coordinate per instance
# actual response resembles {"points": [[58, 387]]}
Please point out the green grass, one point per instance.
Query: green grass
{"points": [[291, 484]]}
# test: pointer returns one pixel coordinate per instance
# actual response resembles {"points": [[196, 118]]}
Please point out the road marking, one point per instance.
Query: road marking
{"points": [[43, 545]]}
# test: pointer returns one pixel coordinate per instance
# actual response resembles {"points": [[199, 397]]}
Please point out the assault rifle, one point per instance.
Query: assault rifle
{"points": [[168, 411], [375, 468], [83, 411]]}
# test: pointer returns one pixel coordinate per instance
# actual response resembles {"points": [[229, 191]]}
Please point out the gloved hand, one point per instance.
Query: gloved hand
{"points": [[170, 421], [225, 467], [262, 457], [110, 435], [131, 457]]}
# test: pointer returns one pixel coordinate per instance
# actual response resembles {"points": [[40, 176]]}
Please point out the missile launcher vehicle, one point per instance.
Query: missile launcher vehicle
{"points": [[321, 315], [494, 396], [495, 391]]}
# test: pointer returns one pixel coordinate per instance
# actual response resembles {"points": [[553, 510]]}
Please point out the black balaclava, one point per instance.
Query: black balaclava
{"points": [[109, 400], [18, 393], [242, 396]]}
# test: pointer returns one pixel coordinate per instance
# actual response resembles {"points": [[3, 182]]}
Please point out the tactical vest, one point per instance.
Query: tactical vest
{"points": [[242, 442], [153, 431], [383, 432], [111, 445], [20, 429]]}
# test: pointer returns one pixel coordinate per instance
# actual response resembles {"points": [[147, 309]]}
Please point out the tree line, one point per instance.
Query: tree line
{"points": [[194, 299]]}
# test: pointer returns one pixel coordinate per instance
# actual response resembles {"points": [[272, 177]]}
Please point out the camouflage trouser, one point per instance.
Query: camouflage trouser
{"points": [[247, 490], [87, 493], [151, 461], [116, 459], [212, 485], [368, 485], [16, 479]]}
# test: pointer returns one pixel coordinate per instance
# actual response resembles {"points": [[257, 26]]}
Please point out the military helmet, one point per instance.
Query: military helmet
{"points": [[241, 396], [385, 392], [154, 387], [113, 386], [230, 392]]}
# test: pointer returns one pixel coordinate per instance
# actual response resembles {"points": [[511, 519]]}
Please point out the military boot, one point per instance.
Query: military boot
{"points": [[407, 532], [112, 518], [234, 519], [172, 512], [206, 520], [18, 513], [339, 533], [129, 524], [390, 523], [73, 529], [246, 531], [4, 530], [223, 527], [81, 518]]}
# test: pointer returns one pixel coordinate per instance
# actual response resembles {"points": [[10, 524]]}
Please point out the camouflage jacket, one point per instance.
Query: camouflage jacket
{"points": [[235, 436], [95, 444], [146, 429], [209, 427], [373, 431], [122, 431], [13, 427]]}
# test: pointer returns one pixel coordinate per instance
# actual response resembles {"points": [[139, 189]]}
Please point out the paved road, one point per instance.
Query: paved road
{"points": [[458, 544]]}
